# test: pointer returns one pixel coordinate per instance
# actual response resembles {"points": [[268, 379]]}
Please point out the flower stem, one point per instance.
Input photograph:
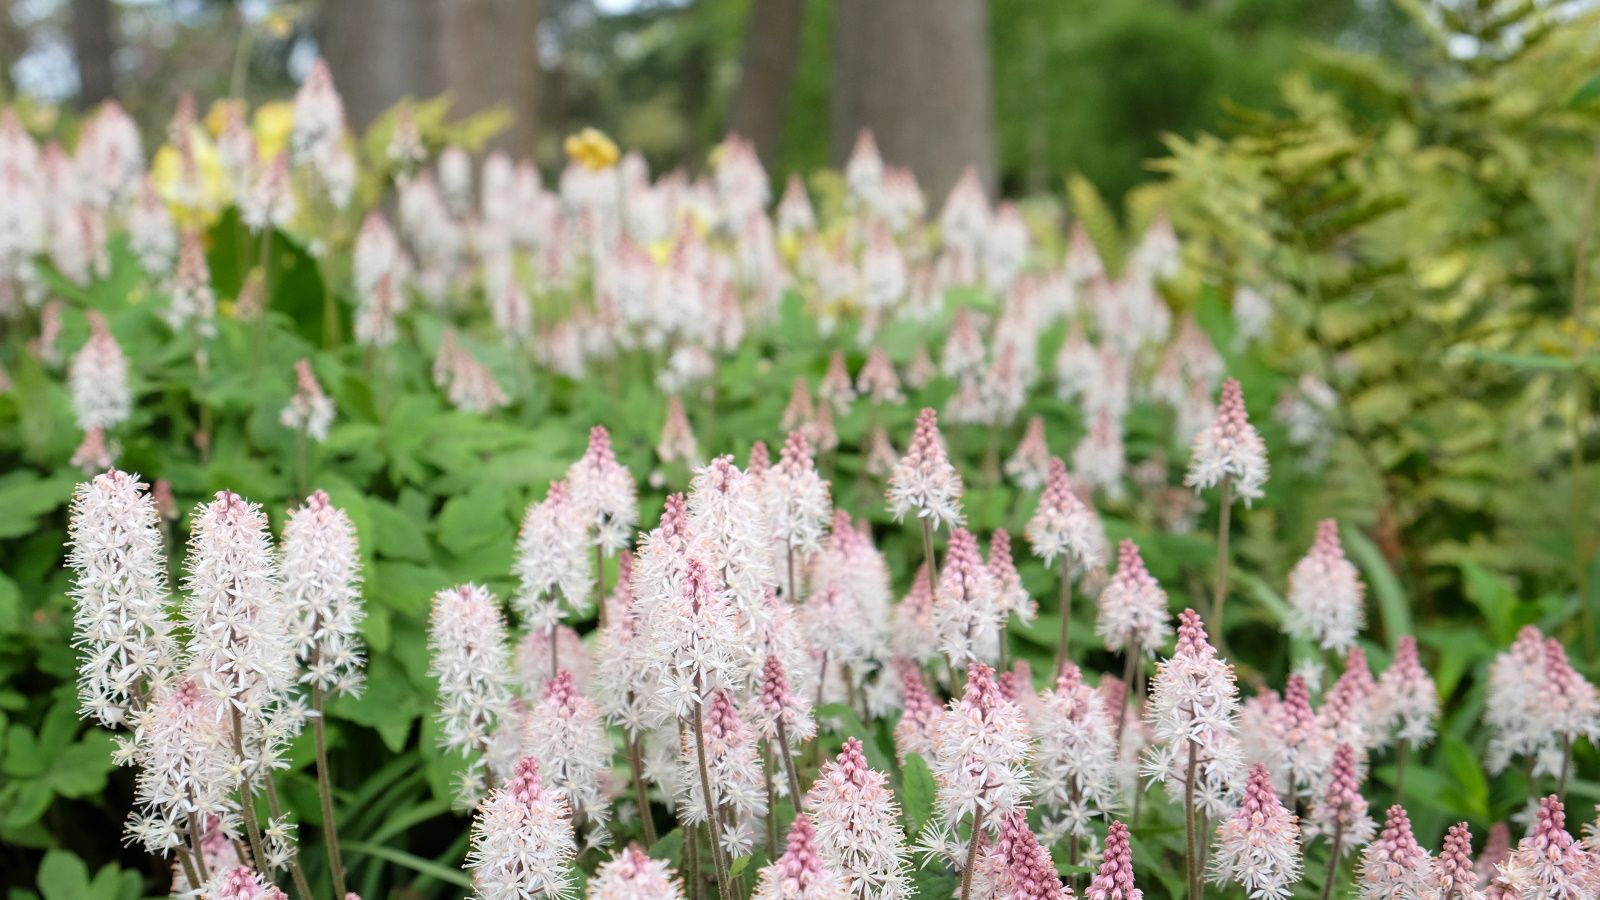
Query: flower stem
{"points": [[788, 767], [247, 790], [1333, 859], [636, 765], [711, 806], [275, 808], [197, 842], [1189, 825], [196, 882], [772, 799], [1220, 594], [793, 597], [1566, 764], [972, 853], [330, 831], [1063, 652], [927, 553], [600, 581], [1400, 772]]}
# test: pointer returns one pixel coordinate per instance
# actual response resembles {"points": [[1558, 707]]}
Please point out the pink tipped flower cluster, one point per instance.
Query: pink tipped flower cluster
{"points": [[1326, 594], [1063, 525], [924, 482], [1230, 450], [1258, 847], [603, 493], [322, 584], [800, 873], [1395, 865], [633, 875], [1075, 758], [1193, 714], [522, 842], [982, 752], [120, 622], [1133, 607], [967, 615], [858, 826]]}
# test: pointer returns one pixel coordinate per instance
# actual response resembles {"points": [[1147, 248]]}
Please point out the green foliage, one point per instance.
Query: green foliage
{"points": [[1416, 233]]}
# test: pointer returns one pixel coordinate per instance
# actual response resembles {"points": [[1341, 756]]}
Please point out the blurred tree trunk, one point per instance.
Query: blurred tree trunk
{"points": [[484, 53], [378, 51], [93, 44], [917, 73], [487, 53], [766, 72]]}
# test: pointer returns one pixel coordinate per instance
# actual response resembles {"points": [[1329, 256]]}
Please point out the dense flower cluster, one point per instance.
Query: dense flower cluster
{"points": [[755, 624]]}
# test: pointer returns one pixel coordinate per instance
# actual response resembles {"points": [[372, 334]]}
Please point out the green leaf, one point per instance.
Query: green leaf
{"points": [[917, 790], [471, 520], [25, 497], [668, 847], [1587, 92], [1471, 789], [395, 535], [63, 876], [1392, 603], [410, 861]]}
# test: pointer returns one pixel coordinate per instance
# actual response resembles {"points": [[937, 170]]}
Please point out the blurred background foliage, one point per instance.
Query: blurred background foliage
{"points": [[1410, 186], [1078, 85]]}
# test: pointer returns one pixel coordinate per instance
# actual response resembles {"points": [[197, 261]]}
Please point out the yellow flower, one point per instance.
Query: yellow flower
{"points": [[278, 24], [193, 184], [272, 124], [660, 251], [591, 149], [217, 116]]}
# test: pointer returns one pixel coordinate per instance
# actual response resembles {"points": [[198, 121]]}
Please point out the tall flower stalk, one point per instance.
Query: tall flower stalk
{"points": [[322, 584], [1229, 455]]}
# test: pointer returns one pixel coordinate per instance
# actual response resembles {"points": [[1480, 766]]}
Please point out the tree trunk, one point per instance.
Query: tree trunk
{"points": [[767, 65], [917, 73], [93, 45], [484, 53], [487, 53], [379, 53]]}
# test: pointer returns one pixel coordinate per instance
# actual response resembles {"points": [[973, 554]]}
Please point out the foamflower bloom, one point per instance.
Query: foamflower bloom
{"points": [[1452, 877], [982, 752], [1114, 879], [98, 379], [1548, 864], [1193, 710], [858, 826], [1340, 814], [1229, 449], [633, 875], [187, 771], [1133, 607], [1258, 847], [553, 559], [242, 883], [564, 733], [120, 622], [967, 612], [309, 411], [1394, 865], [924, 482], [800, 873], [1326, 595], [522, 843], [1407, 703], [1075, 758], [322, 585], [467, 639], [603, 492], [796, 498]]}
